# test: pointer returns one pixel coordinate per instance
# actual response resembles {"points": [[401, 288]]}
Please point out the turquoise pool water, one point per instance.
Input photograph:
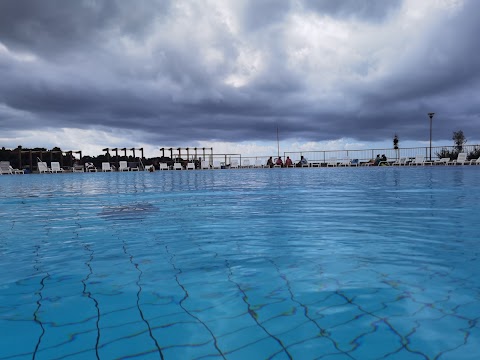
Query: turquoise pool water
{"points": [[367, 263]]}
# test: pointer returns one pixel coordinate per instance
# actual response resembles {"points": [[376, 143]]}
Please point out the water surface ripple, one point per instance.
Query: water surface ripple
{"points": [[367, 263]]}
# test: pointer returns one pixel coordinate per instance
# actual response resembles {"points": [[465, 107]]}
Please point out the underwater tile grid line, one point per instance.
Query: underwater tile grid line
{"points": [[263, 264]]}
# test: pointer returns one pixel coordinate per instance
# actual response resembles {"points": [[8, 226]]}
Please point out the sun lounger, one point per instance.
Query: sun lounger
{"points": [[259, 163], [418, 160], [77, 168], [17, 171], [43, 168], [164, 166], [106, 167], [123, 166], [204, 165], [177, 166], [400, 161], [461, 159], [475, 161], [443, 161], [4, 167], [234, 164], [332, 162], [133, 166], [55, 167], [191, 166], [246, 163], [344, 162]]}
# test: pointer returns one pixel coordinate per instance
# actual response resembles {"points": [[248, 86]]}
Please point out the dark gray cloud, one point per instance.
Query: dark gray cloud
{"points": [[183, 72], [260, 14], [51, 27], [368, 10]]}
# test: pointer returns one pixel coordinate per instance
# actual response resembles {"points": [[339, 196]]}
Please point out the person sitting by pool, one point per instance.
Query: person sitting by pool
{"points": [[288, 162], [270, 162], [279, 161], [377, 160], [302, 161], [383, 161]]}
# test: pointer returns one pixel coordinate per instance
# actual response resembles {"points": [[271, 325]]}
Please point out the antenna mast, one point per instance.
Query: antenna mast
{"points": [[278, 144]]}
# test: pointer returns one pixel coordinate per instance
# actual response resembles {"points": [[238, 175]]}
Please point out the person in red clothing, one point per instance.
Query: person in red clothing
{"points": [[279, 161], [288, 162]]}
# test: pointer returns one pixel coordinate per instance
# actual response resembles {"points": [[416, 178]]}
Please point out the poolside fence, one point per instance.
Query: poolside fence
{"points": [[218, 160], [365, 155]]}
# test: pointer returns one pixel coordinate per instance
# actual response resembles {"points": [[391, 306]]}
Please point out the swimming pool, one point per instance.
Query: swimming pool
{"points": [[363, 263]]}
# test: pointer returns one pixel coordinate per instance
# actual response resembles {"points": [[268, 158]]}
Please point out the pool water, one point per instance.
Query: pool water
{"points": [[364, 263]]}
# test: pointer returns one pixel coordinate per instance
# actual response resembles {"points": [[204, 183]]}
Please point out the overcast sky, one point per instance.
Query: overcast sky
{"points": [[225, 73]]}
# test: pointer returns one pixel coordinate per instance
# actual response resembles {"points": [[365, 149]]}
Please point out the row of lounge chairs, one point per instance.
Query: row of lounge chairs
{"points": [[332, 162], [43, 168], [107, 167], [191, 166], [216, 164], [420, 160]]}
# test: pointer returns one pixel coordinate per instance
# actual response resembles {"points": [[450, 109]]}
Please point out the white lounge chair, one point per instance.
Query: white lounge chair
{"points": [[259, 163], [204, 165], [164, 166], [217, 164], [246, 163], [400, 161], [55, 167], [17, 171], [43, 168], [332, 162], [106, 167], [443, 161], [123, 166], [133, 166], [461, 159], [419, 160], [234, 164], [5, 168], [344, 162], [177, 166], [77, 168], [148, 167], [190, 166], [475, 161]]}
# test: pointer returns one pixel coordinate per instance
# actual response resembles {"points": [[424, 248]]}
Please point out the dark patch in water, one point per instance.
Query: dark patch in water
{"points": [[127, 212]]}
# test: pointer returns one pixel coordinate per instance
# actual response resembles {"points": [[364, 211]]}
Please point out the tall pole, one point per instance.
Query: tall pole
{"points": [[430, 115], [278, 144]]}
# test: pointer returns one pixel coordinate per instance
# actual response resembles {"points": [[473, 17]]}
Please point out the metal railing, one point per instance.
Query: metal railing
{"points": [[364, 155]]}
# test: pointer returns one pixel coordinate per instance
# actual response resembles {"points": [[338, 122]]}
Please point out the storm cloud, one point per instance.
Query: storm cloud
{"points": [[188, 71]]}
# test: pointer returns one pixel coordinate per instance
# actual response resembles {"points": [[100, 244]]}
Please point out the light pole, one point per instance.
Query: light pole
{"points": [[431, 117]]}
